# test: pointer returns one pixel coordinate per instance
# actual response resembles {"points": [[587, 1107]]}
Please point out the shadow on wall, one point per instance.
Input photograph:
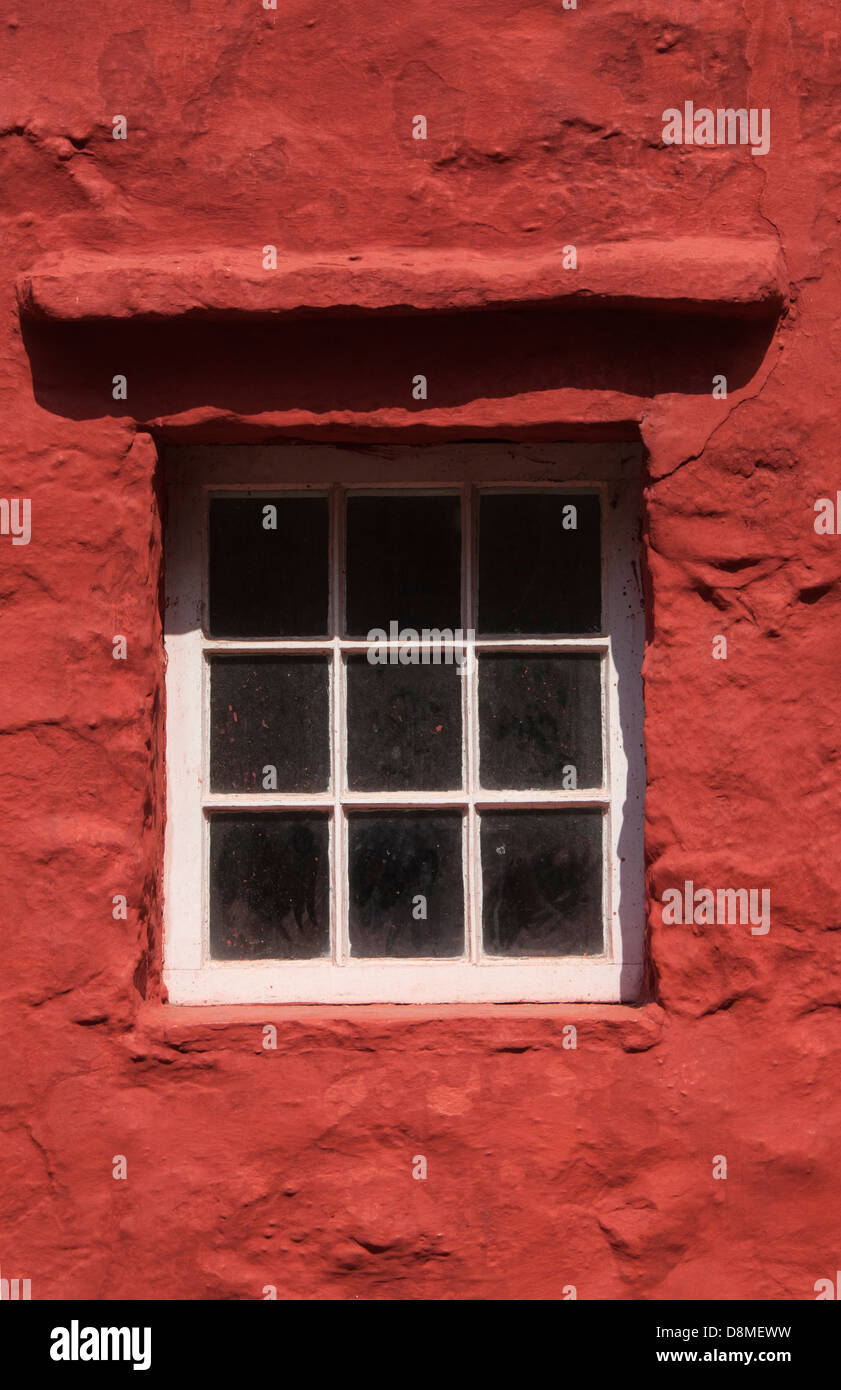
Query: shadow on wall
{"points": [[364, 364]]}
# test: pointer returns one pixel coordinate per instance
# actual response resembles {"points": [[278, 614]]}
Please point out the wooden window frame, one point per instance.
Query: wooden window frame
{"points": [[190, 976]]}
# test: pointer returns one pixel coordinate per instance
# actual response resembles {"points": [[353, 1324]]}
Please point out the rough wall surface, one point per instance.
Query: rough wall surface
{"points": [[547, 1167]]}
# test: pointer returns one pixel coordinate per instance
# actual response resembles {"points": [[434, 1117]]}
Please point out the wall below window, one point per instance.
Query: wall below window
{"points": [[547, 1166]]}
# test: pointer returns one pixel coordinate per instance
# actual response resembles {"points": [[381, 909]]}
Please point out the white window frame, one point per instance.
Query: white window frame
{"points": [[190, 976]]}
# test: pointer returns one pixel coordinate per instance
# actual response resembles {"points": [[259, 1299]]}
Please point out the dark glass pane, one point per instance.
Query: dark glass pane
{"points": [[406, 884], [542, 883], [536, 574], [269, 712], [403, 563], [269, 886], [540, 721], [404, 727], [268, 567]]}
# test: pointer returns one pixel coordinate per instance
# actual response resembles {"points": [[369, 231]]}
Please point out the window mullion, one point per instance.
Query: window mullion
{"points": [[337, 726], [470, 705]]}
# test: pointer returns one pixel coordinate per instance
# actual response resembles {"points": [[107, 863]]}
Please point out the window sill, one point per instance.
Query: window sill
{"points": [[494, 1027]]}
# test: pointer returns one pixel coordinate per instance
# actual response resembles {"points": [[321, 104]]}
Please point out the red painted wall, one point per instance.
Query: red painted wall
{"points": [[547, 1167]]}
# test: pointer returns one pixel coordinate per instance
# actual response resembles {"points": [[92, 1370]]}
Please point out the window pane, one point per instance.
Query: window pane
{"points": [[406, 884], [403, 562], [536, 573], [540, 721], [404, 726], [269, 886], [542, 882], [269, 724], [268, 567]]}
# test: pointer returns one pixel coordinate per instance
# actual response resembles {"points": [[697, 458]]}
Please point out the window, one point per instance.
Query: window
{"points": [[404, 733]]}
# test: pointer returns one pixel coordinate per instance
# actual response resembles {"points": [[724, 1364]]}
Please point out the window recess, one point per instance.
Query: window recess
{"points": [[404, 734]]}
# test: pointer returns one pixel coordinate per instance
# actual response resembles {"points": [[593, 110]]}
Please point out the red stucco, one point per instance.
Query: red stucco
{"points": [[546, 1167]]}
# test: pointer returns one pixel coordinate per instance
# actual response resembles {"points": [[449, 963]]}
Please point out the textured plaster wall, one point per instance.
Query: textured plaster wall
{"points": [[546, 1167]]}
